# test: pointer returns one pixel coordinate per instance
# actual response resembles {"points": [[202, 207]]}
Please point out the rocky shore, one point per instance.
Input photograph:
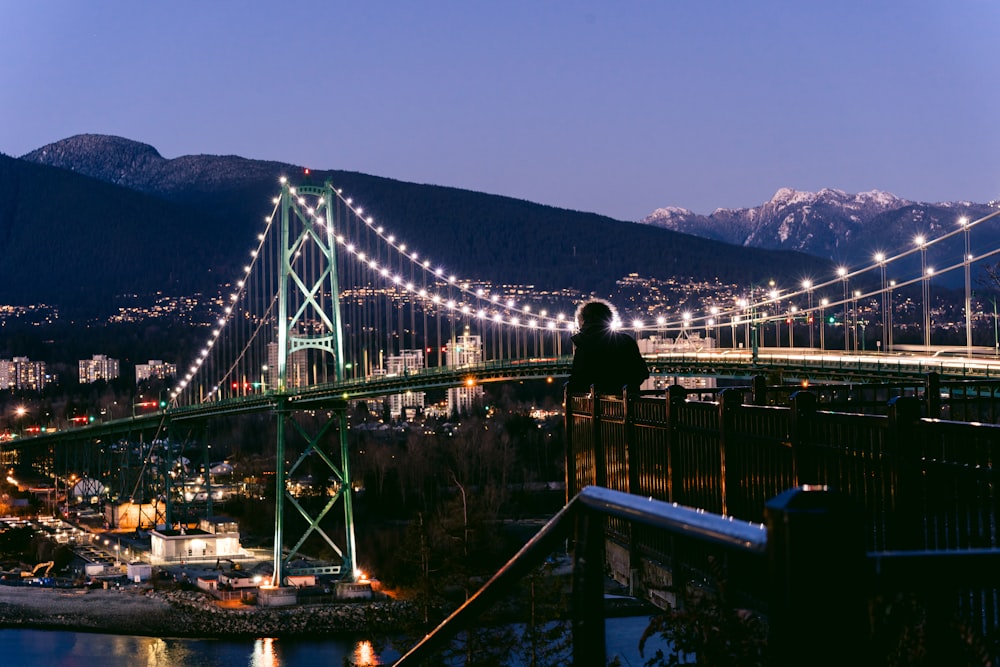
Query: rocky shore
{"points": [[188, 614]]}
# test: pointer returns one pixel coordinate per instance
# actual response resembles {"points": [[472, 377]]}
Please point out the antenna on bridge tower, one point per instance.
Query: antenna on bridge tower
{"points": [[309, 319]]}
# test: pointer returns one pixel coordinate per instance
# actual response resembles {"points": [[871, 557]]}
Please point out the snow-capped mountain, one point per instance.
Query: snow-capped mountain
{"points": [[830, 223]]}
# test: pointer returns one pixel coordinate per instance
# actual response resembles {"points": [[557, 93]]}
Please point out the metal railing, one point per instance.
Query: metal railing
{"points": [[809, 555], [584, 517], [922, 484]]}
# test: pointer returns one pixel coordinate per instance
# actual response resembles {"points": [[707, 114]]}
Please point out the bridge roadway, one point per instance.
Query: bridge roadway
{"points": [[793, 365]]}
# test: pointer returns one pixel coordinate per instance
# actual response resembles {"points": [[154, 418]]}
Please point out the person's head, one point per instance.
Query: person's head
{"points": [[595, 312]]}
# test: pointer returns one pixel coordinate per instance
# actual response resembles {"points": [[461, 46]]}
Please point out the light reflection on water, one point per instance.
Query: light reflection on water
{"points": [[38, 648], [364, 654], [48, 648], [265, 653]]}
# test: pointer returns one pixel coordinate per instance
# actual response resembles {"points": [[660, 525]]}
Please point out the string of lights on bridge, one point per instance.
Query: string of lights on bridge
{"points": [[843, 275], [487, 306]]}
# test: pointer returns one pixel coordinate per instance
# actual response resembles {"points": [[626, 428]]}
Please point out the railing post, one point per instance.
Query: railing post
{"points": [[905, 449], [932, 395], [570, 455], [631, 448], [816, 564], [632, 475], [730, 400], [803, 415], [676, 395], [758, 390], [600, 460], [588, 590]]}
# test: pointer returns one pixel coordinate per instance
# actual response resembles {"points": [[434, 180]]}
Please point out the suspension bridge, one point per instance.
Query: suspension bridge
{"points": [[334, 307]]}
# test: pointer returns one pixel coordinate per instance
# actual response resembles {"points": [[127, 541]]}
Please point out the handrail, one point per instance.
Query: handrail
{"points": [[725, 531], [592, 500], [813, 545]]}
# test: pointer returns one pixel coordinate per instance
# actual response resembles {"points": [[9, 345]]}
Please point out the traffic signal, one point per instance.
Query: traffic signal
{"points": [[831, 320]]}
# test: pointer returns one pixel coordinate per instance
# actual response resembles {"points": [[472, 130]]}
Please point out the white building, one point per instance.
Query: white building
{"points": [[407, 361], [688, 342], [22, 373], [155, 368], [100, 367], [467, 350], [216, 537], [132, 516]]}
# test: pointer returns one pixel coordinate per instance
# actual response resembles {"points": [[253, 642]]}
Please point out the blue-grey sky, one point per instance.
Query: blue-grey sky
{"points": [[613, 107]]}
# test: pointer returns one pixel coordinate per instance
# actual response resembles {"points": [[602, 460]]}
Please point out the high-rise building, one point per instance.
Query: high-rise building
{"points": [[22, 373], [98, 368], [407, 361], [465, 349], [154, 369]]}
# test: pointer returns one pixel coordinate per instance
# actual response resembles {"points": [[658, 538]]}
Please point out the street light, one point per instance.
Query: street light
{"points": [[823, 303], [20, 411], [791, 325], [854, 319], [842, 272], [892, 284], [925, 288], [744, 305], [927, 311], [807, 286], [967, 261], [880, 258], [773, 294]]}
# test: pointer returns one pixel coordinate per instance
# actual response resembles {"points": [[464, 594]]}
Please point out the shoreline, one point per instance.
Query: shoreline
{"points": [[189, 614]]}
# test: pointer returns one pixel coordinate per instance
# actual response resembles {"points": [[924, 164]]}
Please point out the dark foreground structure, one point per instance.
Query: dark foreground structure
{"points": [[812, 517]]}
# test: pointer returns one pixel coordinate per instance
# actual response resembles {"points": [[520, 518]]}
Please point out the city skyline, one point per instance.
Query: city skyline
{"points": [[615, 109]]}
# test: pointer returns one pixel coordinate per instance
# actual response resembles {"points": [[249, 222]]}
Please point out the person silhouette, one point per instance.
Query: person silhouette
{"points": [[604, 358]]}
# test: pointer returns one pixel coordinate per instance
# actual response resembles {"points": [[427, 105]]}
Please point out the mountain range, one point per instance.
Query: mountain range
{"points": [[844, 228], [92, 217]]}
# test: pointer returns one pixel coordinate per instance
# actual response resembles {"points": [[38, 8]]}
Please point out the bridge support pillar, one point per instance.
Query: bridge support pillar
{"points": [[338, 464]]}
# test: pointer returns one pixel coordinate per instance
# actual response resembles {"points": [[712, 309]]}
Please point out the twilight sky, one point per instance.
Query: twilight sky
{"points": [[612, 107]]}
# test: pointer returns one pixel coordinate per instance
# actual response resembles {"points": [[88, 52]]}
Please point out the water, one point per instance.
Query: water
{"points": [[34, 648], [48, 648]]}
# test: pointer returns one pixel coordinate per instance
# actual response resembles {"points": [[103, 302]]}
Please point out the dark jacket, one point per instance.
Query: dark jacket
{"points": [[609, 360]]}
